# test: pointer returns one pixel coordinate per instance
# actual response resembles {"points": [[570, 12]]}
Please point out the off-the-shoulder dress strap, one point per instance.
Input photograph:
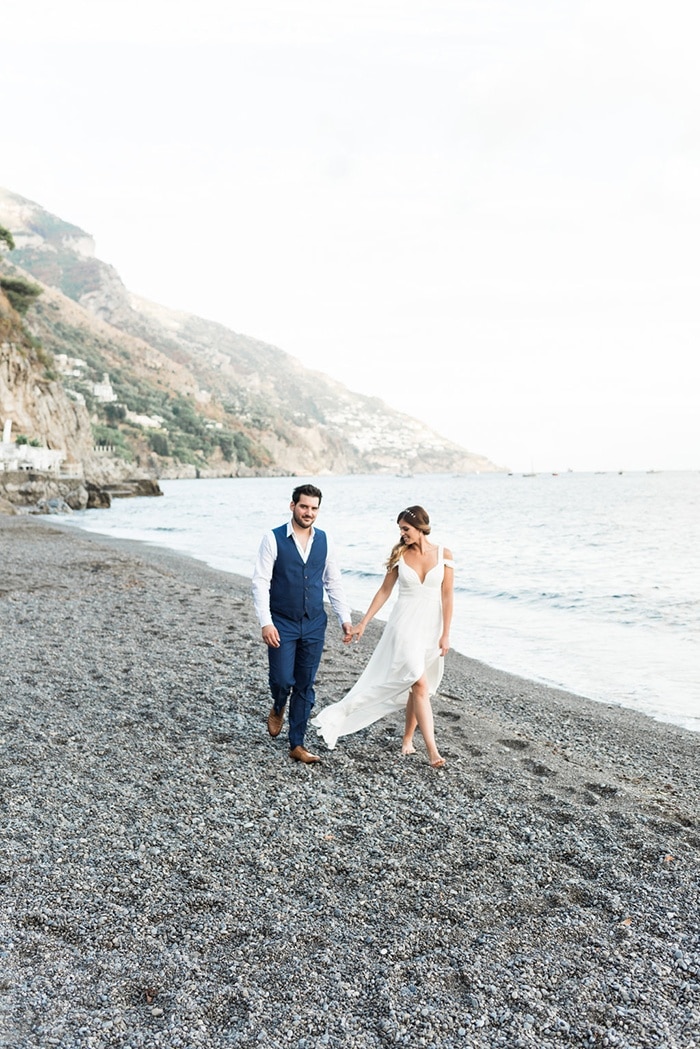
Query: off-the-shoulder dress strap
{"points": [[445, 560]]}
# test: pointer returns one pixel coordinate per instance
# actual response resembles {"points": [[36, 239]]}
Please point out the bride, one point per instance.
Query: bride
{"points": [[406, 667]]}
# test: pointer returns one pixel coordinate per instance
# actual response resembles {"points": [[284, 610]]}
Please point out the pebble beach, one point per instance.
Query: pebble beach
{"points": [[169, 878]]}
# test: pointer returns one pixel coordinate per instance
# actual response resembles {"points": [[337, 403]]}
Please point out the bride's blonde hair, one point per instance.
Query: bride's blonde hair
{"points": [[418, 518]]}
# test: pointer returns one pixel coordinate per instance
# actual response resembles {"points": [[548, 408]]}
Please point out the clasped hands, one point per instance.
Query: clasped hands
{"points": [[270, 634], [352, 633]]}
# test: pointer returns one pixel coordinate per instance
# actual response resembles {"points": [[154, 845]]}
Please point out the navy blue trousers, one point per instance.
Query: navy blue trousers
{"points": [[293, 668]]}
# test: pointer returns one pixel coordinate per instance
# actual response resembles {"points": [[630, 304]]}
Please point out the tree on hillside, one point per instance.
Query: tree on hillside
{"points": [[6, 236], [20, 292]]}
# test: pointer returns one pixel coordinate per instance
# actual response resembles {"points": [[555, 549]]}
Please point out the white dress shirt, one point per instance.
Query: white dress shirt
{"points": [[265, 563]]}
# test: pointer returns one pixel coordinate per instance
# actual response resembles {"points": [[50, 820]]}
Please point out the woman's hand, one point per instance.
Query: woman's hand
{"points": [[444, 644], [355, 634]]}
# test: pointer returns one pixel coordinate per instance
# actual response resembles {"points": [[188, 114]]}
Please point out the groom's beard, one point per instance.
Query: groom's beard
{"points": [[306, 523]]}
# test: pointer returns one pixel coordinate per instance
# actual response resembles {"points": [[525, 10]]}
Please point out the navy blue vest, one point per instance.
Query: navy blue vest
{"points": [[296, 589]]}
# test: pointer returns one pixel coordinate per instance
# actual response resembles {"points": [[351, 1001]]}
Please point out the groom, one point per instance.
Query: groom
{"points": [[295, 563]]}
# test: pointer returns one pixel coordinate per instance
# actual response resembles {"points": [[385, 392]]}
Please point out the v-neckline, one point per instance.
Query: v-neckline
{"points": [[422, 581]]}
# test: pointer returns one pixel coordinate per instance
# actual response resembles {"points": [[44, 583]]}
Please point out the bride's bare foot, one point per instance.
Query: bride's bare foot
{"points": [[437, 762], [407, 748]]}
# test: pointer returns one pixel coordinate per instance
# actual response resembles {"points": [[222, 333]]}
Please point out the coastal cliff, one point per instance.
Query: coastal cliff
{"points": [[35, 399], [175, 395], [48, 459]]}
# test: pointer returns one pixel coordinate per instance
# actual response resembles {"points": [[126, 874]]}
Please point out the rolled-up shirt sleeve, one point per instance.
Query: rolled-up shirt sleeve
{"points": [[333, 583], [262, 575]]}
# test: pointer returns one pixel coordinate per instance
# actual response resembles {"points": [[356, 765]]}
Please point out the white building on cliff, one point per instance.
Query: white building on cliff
{"points": [[104, 391], [15, 456]]}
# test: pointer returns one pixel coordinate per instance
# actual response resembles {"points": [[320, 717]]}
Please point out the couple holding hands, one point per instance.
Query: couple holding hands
{"points": [[295, 564]]}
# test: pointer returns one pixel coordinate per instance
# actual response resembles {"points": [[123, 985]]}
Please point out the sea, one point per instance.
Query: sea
{"points": [[589, 582]]}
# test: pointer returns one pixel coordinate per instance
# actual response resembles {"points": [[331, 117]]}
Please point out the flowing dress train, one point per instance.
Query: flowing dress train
{"points": [[407, 649]]}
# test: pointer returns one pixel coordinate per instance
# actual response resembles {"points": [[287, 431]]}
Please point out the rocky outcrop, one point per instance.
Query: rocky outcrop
{"points": [[45, 493], [6, 507], [139, 486]]}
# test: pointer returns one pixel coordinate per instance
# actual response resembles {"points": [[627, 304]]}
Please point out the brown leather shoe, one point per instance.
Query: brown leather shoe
{"points": [[274, 722], [302, 754]]}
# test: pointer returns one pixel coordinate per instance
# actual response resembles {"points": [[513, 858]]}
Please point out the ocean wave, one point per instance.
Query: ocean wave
{"points": [[358, 574]]}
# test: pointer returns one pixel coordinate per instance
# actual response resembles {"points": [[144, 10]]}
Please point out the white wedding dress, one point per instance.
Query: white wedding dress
{"points": [[406, 651]]}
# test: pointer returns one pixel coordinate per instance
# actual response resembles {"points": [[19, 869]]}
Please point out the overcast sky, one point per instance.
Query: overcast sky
{"points": [[485, 212]]}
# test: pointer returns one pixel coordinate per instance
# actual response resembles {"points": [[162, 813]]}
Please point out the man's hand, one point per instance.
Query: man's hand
{"points": [[347, 633], [271, 636], [354, 633]]}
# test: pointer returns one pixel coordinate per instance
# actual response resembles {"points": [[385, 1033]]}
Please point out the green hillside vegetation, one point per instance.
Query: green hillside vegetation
{"points": [[21, 294], [186, 434], [61, 267], [227, 404], [289, 398]]}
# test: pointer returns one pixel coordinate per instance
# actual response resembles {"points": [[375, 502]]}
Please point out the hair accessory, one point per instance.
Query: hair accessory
{"points": [[408, 513]]}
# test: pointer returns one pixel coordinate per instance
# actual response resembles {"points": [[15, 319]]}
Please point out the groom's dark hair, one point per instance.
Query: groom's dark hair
{"points": [[306, 489]]}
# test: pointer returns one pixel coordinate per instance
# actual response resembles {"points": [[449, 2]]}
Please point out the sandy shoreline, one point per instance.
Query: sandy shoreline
{"points": [[172, 879]]}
